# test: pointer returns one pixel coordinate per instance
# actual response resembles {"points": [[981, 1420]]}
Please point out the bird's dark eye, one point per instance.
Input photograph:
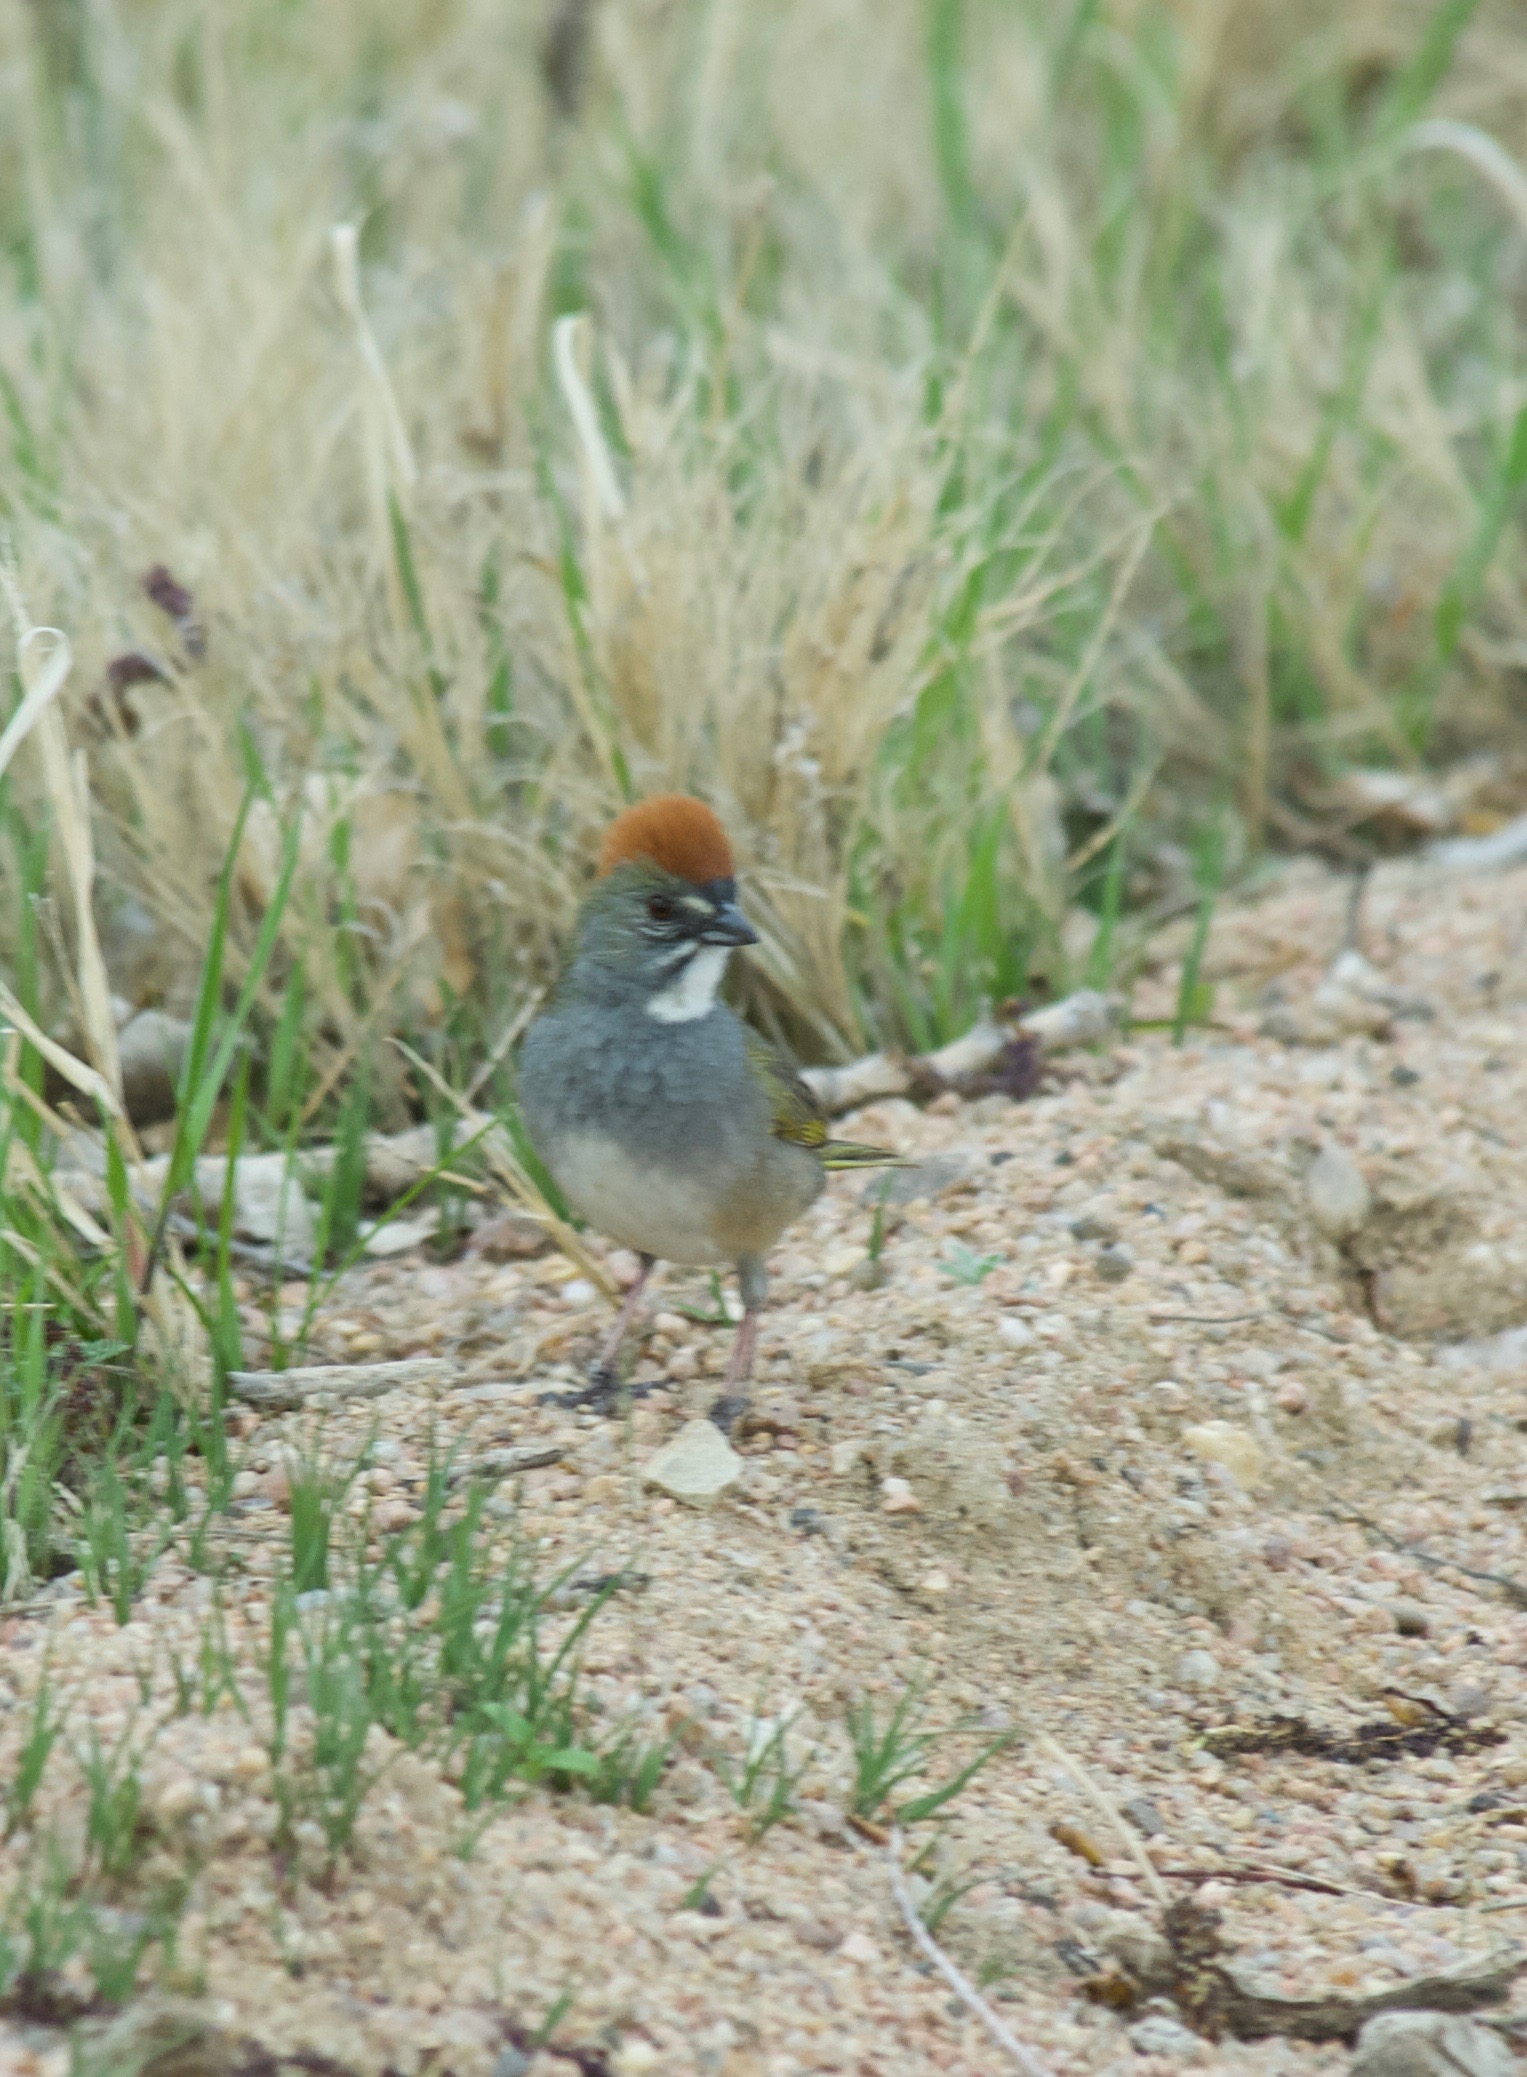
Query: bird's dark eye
{"points": [[659, 908]]}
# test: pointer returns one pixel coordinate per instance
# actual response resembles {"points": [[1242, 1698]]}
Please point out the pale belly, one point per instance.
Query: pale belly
{"points": [[683, 1219]]}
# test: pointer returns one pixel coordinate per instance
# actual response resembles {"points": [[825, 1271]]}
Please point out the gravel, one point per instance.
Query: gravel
{"points": [[981, 1488]]}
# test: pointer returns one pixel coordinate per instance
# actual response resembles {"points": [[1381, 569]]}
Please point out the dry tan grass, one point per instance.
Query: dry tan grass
{"points": [[1082, 346]]}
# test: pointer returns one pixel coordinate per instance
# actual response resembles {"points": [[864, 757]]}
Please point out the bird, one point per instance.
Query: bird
{"points": [[666, 1122]]}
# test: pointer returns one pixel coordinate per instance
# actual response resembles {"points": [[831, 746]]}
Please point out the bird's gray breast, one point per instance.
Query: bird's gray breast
{"points": [[664, 1090], [661, 1136]]}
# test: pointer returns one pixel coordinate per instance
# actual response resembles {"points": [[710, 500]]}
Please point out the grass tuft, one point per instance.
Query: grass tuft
{"points": [[1087, 393], [888, 1755]]}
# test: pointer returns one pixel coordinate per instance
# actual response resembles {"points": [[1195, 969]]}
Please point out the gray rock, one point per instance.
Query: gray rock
{"points": [[1115, 1263], [1093, 1226], [1197, 1669], [1158, 2035], [268, 1200], [1430, 2044], [152, 1049], [1337, 1193], [1410, 1618], [1144, 1816], [1283, 1023], [695, 1466]]}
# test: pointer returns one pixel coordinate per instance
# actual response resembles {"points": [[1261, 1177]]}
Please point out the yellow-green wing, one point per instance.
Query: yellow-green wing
{"points": [[796, 1115]]}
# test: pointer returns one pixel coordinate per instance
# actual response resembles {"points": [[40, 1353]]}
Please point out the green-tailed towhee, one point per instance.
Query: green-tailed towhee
{"points": [[665, 1121]]}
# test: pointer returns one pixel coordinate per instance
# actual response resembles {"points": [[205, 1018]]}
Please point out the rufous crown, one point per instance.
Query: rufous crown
{"points": [[676, 832]]}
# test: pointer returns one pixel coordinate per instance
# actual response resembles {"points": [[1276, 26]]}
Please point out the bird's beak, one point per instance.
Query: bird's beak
{"points": [[728, 927]]}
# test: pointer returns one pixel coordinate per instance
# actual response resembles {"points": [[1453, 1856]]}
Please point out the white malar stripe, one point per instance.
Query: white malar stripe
{"points": [[693, 993]]}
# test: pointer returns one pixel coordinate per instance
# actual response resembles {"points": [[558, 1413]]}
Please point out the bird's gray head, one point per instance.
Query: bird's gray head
{"points": [[648, 937], [661, 923]]}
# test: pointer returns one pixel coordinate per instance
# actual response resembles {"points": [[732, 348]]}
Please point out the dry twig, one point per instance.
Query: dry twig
{"points": [[957, 1981], [1284, 1878], [281, 1389], [1101, 1803]]}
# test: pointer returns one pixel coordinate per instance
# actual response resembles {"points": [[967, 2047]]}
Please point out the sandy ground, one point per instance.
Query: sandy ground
{"points": [[1259, 1471]]}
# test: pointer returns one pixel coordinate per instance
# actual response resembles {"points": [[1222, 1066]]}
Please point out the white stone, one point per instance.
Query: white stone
{"points": [[397, 1236], [635, 2058], [1221, 1442], [1158, 2035], [1430, 2044], [268, 1203], [1337, 1194], [897, 1497], [695, 1466]]}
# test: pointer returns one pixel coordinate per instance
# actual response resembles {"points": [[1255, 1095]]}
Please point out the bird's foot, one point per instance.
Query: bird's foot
{"points": [[604, 1392], [728, 1411]]}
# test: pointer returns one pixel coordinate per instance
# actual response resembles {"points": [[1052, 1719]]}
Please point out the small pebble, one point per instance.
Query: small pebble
{"points": [[697, 1465], [636, 2058], [176, 1799], [1143, 1815], [1337, 1193], [1221, 1442], [897, 1497], [1198, 1669], [1430, 2044], [1158, 2035], [1114, 1263]]}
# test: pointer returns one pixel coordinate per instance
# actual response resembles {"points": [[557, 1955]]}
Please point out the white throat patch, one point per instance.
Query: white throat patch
{"points": [[692, 993]]}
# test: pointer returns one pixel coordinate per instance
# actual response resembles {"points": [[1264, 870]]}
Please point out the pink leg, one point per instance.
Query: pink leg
{"points": [[603, 1387], [733, 1403], [744, 1347], [605, 1367]]}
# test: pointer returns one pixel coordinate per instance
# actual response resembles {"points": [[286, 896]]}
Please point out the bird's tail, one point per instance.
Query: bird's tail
{"points": [[850, 1153]]}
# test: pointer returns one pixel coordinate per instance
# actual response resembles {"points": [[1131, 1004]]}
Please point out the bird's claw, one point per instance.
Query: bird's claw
{"points": [[602, 1394], [728, 1411]]}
